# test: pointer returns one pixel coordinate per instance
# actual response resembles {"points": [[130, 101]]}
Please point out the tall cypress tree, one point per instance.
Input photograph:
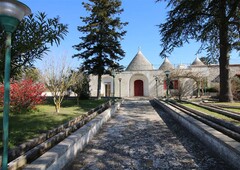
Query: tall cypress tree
{"points": [[100, 48], [214, 23]]}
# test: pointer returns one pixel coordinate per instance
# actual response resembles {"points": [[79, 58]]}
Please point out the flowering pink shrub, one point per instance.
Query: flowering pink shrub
{"points": [[24, 95]]}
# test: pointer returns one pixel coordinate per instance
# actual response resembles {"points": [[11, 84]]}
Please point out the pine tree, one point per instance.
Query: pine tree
{"points": [[214, 23], [100, 48]]}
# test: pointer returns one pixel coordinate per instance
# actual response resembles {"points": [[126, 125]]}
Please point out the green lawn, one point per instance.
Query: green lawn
{"points": [[224, 104], [214, 114], [227, 103], [233, 110], [26, 126]]}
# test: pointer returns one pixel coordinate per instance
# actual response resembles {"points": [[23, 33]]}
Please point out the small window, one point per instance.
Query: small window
{"points": [[165, 85], [173, 84]]}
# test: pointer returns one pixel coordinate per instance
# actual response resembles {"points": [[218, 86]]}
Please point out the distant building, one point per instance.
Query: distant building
{"points": [[141, 79]]}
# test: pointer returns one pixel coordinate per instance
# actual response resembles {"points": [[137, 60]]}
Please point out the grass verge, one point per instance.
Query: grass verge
{"points": [[233, 110], [23, 127], [214, 114], [229, 106]]}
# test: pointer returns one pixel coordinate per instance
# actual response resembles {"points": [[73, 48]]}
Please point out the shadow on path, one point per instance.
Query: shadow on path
{"points": [[140, 137], [136, 138], [202, 155]]}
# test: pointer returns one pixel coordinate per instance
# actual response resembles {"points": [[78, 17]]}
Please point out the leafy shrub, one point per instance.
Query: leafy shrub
{"points": [[81, 87], [236, 88], [24, 95], [212, 89]]}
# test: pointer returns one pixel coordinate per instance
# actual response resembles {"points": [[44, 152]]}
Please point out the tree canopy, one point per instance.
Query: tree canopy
{"points": [[58, 77], [214, 23], [100, 46], [31, 41], [81, 86], [208, 60]]}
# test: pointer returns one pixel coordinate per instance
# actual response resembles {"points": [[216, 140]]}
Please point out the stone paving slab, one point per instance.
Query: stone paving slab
{"points": [[136, 138]]}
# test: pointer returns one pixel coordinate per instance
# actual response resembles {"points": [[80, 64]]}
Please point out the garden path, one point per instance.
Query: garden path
{"points": [[135, 138]]}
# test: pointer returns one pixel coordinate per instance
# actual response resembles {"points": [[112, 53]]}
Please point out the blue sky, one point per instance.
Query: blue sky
{"points": [[142, 31]]}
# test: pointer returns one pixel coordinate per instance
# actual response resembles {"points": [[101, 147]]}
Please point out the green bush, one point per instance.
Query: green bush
{"points": [[212, 89], [236, 87]]}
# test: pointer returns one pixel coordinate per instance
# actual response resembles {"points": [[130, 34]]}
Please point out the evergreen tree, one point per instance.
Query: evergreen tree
{"points": [[29, 73], [214, 23], [81, 85], [208, 60], [100, 48], [31, 41]]}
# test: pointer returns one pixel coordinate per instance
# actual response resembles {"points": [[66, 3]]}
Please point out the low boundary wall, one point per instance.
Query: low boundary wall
{"points": [[227, 148], [64, 153]]}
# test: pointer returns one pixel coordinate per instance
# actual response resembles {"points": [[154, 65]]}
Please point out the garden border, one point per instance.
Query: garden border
{"points": [[227, 148], [63, 153], [32, 147]]}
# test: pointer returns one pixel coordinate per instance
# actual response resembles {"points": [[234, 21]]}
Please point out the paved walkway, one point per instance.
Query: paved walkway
{"points": [[136, 138]]}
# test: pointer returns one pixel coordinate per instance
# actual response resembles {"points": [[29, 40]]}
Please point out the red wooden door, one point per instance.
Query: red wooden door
{"points": [[138, 88]]}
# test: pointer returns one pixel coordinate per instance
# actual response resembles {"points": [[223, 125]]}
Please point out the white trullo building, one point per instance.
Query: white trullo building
{"points": [[141, 79]]}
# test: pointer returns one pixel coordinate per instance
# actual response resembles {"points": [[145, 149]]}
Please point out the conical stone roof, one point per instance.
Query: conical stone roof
{"points": [[139, 62], [166, 65], [197, 62]]}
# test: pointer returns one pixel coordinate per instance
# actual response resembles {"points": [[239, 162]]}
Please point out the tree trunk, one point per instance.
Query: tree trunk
{"points": [[57, 107], [198, 89], [99, 86], [57, 102], [225, 82], [78, 98]]}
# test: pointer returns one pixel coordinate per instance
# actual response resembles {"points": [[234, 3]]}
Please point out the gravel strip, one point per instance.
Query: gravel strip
{"points": [[137, 138], [203, 156]]}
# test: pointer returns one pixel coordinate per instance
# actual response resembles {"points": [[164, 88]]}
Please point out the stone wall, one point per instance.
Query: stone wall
{"points": [[125, 87]]}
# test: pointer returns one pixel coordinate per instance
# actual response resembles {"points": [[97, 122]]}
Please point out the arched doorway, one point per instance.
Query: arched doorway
{"points": [[138, 88]]}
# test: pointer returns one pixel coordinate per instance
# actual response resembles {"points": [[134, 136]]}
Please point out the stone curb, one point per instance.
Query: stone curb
{"points": [[65, 152], [31, 150], [27, 151], [227, 148], [219, 121], [233, 115]]}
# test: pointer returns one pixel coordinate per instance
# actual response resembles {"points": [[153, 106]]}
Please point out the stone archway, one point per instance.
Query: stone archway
{"points": [[138, 85], [138, 88]]}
